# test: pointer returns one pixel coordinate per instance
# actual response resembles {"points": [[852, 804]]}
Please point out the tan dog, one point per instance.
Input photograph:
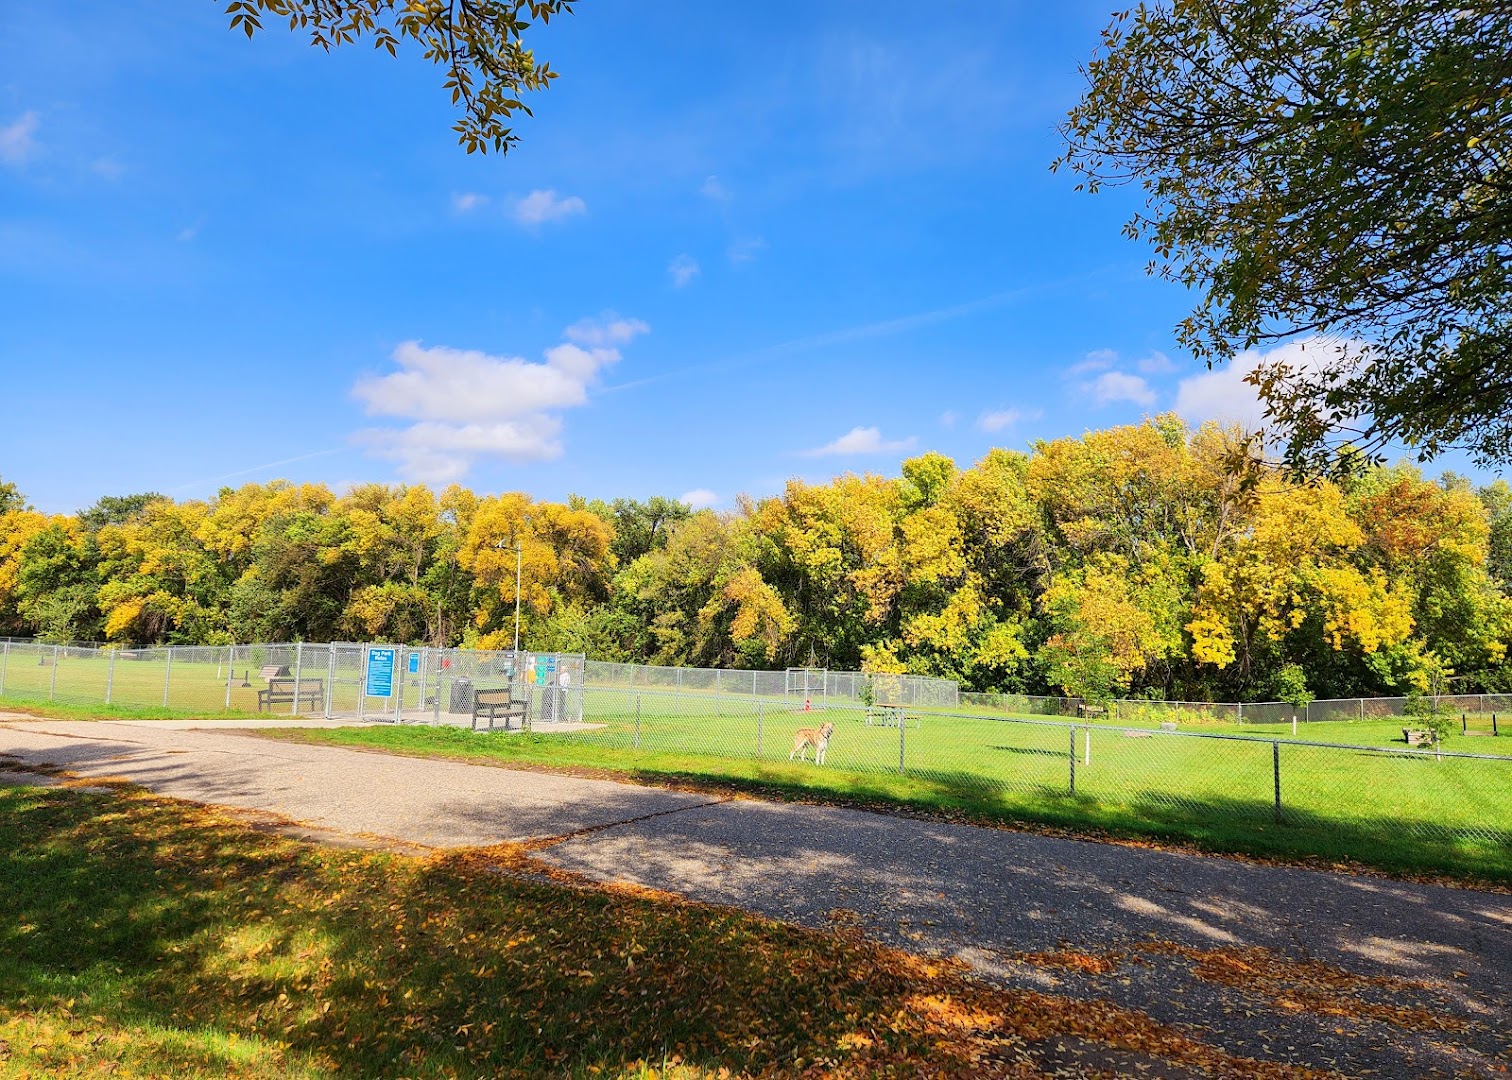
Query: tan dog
{"points": [[817, 738]]}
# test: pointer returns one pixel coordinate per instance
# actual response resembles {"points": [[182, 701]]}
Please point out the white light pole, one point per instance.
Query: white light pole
{"points": [[517, 594]]}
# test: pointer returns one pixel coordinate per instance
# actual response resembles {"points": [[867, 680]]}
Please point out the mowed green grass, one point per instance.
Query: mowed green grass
{"points": [[192, 688], [1392, 810], [148, 938], [1396, 811]]}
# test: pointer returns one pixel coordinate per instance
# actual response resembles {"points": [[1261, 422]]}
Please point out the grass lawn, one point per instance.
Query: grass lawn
{"points": [[1393, 811], [138, 685], [142, 937]]}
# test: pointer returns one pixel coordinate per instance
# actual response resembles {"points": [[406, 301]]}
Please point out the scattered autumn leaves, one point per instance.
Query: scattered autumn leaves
{"points": [[147, 937]]}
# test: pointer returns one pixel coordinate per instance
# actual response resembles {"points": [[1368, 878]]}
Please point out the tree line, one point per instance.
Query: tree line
{"points": [[1148, 559]]}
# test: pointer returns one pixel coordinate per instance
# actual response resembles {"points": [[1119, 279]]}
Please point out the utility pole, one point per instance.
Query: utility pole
{"points": [[518, 556]]}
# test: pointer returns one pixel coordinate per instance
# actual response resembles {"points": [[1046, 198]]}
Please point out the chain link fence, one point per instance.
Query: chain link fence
{"points": [[1121, 760], [1363, 792]]}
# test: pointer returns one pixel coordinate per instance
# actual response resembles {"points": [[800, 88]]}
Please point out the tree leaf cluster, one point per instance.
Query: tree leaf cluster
{"points": [[1148, 559]]}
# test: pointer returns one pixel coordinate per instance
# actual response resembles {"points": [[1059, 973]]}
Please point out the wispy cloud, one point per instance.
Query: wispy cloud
{"points": [[606, 330], [948, 418], [107, 167], [713, 189], [683, 270], [863, 332], [1115, 386], [699, 498], [467, 404], [17, 142], [860, 440], [745, 250], [463, 202], [1004, 418], [1157, 363], [545, 205], [1096, 360]]}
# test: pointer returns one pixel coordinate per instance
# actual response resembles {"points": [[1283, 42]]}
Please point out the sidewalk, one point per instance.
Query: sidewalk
{"points": [[1235, 951]]}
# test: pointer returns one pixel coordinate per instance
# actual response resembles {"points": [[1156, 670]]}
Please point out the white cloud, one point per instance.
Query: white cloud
{"points": [[683, 269], [1113, 386], [16, 142], [109, 168], [743, 251], [860, 440], [699, 498], [464, 201], [997, 421], [467, 404], [1096, 360], [713, 189], [608, 329], [1157, 363], [1222, 394], [545, 205], [948, 418]]}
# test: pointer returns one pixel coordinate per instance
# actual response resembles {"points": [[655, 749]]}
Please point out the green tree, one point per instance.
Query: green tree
{"points": [[1326, 168], [479, 44]]}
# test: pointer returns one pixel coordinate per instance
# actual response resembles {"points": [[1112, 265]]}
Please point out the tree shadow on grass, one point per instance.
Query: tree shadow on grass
{"points": [[149, 914]]}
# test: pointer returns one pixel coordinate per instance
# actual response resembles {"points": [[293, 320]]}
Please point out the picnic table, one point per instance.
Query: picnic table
{"points": [[888, 714]]}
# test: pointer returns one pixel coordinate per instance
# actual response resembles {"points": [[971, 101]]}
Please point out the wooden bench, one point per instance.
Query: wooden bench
{"points": [[1418, 738], [287, 691], [496, 702], [1091, 710], [273, 671]]}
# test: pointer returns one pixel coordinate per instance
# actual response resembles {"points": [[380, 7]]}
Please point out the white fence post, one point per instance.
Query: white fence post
{"points": [[330, 676], [110, 675], [230, 663], [298, 671], [4, 663], [52, 686], [167, 675]]}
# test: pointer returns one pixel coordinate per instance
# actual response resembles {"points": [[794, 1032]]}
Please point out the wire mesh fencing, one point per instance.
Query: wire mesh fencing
{"points": [[1133, 760], [1367, 793]]}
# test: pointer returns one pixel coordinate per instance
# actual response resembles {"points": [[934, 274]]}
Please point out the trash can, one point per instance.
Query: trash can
{"points": [[461, 697]]}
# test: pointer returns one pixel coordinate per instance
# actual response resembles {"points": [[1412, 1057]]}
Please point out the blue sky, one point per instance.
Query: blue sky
{"points": [[737, 243]]}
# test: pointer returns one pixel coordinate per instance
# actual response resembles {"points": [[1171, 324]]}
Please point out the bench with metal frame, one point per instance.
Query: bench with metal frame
{"points": [[491, 703], [289, 691]]}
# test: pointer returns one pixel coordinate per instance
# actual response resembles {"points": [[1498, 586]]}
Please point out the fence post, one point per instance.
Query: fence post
{"points": [[425, 675], [110, 675], [1072, 758], [52, 685], [330, 677], [298, 671], [1276, 772], [4, 663], [362, 684], [230, 663], [637, 721], [1088, 760], [1362, 708], [759, 718], [902, 727], [167, 675]]}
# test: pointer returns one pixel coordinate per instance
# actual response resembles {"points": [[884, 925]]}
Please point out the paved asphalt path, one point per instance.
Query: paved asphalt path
{"points": [[1381, 978]]}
